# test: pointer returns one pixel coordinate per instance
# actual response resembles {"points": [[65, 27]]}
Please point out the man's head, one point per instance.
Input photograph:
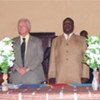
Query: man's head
{"points": [[68, 26], [84, 33], [24, 27]]}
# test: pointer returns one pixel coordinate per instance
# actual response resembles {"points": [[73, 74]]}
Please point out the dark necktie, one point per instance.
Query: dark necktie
{"points": [[23, 51]]}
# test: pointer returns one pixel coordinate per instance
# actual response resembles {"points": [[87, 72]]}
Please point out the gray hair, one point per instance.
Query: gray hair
{"points": [[27, 22]]}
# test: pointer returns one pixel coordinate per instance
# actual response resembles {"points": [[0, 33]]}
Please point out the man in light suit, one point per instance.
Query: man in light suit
{"points": [[29, 70], [67, 53]]}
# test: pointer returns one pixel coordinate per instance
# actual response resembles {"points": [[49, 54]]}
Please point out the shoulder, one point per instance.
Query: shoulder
{"points": [[79, 38], [58, 38], [16, 38], [35, 39]]}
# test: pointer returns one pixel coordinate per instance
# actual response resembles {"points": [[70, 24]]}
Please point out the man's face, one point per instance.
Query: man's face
{"points": [[23, 28], [68, 26]]}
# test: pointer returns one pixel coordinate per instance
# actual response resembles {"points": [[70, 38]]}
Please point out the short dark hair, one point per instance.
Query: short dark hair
{"points": [[70, 19], [84, 33]]}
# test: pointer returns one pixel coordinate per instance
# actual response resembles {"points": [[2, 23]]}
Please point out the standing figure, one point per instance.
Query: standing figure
{"points": [[84, 33], [67, 54], [28, 51]]}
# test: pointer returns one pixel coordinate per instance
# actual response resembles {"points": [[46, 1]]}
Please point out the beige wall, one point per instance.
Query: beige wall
{"points": [[47, 15]]}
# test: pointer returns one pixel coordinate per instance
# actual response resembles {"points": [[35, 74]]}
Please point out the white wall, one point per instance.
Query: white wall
{"points": [[48, 15]]}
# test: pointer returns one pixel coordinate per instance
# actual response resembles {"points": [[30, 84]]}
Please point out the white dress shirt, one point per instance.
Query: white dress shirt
{"points": [[67, 37]]}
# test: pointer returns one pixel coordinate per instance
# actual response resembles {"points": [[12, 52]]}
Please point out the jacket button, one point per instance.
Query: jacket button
{"points": [[66, 58], [66, 51], [66, 43]]}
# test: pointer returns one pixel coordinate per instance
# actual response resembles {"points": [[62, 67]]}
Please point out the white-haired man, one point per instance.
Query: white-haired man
{"points": [[28, 51]]}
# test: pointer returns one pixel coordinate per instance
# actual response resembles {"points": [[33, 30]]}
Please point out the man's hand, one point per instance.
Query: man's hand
{"points": [[22, 70], [84, 80], [52, 80]]}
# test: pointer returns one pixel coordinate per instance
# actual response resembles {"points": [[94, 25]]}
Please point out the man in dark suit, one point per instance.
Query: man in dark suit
{"points": [[27, 67]]}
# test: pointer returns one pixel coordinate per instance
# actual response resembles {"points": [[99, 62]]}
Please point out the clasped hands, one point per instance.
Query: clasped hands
{"points": [[22, 70]]}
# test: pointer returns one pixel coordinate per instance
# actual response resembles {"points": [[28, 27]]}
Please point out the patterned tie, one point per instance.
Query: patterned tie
{"points": [[23, 51]]}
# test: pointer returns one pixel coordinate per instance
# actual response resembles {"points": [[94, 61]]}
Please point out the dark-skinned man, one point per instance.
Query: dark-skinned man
{"points": [[67, 54]]}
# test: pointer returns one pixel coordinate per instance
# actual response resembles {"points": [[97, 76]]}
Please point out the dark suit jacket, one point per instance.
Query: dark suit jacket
{"points": [[33, 60]]}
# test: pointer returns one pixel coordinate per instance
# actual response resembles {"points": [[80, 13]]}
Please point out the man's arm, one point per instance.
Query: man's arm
{"points": [[52, 67]]}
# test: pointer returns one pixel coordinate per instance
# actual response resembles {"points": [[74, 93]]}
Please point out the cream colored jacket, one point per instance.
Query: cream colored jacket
{"points": [[66, 60]]}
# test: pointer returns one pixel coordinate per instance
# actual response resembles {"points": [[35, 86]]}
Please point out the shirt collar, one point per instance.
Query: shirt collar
{"points": [[26, 38], [67, 36]]}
